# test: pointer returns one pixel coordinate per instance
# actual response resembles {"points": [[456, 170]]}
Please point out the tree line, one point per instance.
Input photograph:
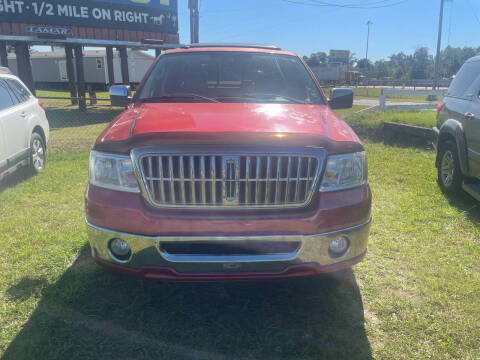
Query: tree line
{"points": [[401, 66]]}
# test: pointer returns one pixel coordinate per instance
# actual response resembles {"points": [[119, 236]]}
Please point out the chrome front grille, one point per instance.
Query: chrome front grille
{"points": [[231, 179]]}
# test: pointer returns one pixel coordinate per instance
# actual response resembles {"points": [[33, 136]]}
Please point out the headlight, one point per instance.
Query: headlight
{"points": [[113, 172], [345, 172]]}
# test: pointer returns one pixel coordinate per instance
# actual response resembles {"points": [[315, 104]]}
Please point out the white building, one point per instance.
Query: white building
{"points": [[50, 68]]}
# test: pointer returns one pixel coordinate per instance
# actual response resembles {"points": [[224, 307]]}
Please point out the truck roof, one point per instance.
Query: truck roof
{"points": [[254, 46], [231, 47]]}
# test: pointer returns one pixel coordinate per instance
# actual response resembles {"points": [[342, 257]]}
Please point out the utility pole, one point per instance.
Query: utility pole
{"points": [[194, 21], [366, 53], [368, 38], [439, 44]]}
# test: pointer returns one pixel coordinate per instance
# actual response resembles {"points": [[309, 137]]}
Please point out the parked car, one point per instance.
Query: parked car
{"points": [[24, 128], [457, 134], [229, 164]]}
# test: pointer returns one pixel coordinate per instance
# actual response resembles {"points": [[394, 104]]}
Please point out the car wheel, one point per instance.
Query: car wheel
{"points": [[37, 154], [450, 176]]}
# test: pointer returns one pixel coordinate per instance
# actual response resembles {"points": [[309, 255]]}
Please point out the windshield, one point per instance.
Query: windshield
{"points": [[230, 77]]}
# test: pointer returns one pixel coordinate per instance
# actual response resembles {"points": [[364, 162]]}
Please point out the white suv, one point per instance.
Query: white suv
{"points": [[24, 128]]}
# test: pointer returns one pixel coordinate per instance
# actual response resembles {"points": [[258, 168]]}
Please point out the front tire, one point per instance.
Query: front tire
{"points": [[450, 176], [37, 154]]}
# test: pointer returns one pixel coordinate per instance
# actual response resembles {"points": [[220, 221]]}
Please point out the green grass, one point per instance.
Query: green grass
{"points": [[347, 113], [74, 129], [375, 119], [414, 297]]}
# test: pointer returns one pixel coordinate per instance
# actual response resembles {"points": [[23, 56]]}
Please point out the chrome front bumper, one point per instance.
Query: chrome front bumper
{"points": [[146, 251]]}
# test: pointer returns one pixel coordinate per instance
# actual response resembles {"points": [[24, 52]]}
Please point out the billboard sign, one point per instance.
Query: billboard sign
{"points": [[160, 16], [341, 56]]}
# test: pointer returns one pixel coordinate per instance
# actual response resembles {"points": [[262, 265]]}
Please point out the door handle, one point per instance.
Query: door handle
{"points": [[469, 116], [23, 114]]}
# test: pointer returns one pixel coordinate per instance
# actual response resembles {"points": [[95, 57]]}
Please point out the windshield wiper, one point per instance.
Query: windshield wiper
{"points": [[180, 96], [273, 96], [261, 97]]}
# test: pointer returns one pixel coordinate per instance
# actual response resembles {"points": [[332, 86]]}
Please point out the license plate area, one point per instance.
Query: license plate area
{"points": [[229, 251]]}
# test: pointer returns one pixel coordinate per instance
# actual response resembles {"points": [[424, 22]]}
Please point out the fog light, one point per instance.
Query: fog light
{"points": [[339, 246], [120, 249]]}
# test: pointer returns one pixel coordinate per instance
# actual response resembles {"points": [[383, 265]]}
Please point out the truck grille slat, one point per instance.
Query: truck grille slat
{"points": [[172, 183], [257, 181], [232, 181], [182, 181], [287, 187], [213, 183], [202, 174], [267, 183], [297, 181], [161, 184], [247, 177]]}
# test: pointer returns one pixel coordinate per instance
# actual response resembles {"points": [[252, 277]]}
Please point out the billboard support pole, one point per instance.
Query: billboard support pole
{"points": [[124, 65], [158, 52], [22, 50], [82, 104], [111, 73], [194, 21], [71, 74], [3, 54], [439, 45]]}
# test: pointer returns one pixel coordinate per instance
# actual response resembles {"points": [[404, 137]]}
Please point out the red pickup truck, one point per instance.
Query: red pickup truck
{"points": [[229, 164]]}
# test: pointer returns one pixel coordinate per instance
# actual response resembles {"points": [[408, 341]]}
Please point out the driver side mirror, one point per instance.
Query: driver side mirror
{"points": [[120, 95], [341, 98]]}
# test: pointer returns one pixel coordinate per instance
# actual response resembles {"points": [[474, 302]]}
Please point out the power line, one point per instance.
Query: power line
{"points": [[473, 11], [325, 3], [450, 23], [371, 5], [277, 25]]}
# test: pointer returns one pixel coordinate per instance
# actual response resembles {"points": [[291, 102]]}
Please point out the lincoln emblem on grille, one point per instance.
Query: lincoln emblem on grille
{"points": [[230, 172]]}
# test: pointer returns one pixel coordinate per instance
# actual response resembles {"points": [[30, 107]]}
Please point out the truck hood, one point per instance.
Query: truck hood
{"points": [[233, 121]]}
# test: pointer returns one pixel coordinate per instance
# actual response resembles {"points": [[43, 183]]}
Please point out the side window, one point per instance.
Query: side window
{"points": [[5, 98], [19, 90], [298, 79], [464, 79]]}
